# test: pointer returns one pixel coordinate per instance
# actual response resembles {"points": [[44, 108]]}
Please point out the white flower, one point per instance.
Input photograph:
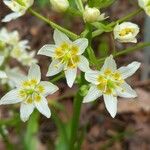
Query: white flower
{"points": [[93, 14], [11, 45], [145, 4], [60, 5], [30, 92], [66, 55], [110, 82], [19, 7], [126, 32], [2, 73]]}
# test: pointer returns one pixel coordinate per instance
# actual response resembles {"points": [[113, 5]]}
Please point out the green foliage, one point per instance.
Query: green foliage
{"points": [[100, 3]]}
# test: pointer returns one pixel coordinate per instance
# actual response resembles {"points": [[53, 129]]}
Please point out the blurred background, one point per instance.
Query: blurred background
{"points": [[130, 129]]}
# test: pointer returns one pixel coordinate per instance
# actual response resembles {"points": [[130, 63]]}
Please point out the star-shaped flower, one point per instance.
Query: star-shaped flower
{"points": [[66, 55], [30, 91], [110, 82]]}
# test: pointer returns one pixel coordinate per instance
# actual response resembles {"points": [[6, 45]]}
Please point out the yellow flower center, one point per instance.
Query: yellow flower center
{"points": [[31, 91], [126, 31], [109, 81], [67, 54]]}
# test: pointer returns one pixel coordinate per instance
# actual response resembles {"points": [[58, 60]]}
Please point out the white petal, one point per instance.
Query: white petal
{"points": [[92, 76], [3, 74], [109, 64], [70, 76], [34, 72], [25, 111], [43, 108], [49, 88], [84, 64], [11, 16], [126, 91], [47, 50], [129, 70], [60, 37], [16, 78], [111, 104], [11, 97], [92, 94], [54, 68], [82, 44]]}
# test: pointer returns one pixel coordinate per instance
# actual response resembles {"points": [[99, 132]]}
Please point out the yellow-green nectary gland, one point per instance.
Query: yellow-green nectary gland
{"points": [[67, 54], [126, 31], [31, 91], [109, 81]]}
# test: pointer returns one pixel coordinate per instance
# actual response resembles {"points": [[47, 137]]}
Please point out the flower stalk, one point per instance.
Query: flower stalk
{"points": [[53, 25]]}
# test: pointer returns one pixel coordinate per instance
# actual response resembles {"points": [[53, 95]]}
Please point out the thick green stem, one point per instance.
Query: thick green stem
{"points": [[112, 24], [30, 139], [128, 50], [76, 115], [75, 120], [54, 25]]}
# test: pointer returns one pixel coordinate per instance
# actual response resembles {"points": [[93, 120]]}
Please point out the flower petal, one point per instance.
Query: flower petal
{"points": [[3, 74], [47, 50], [92, 76], [42, 107], [49, 88], [129, 70], [11, 16], [126, 91], [84, 64], [109, 64], [70, 76], [25, 111], [82, 44], [60, 37], [111, 104], [16, 78], [92, 94], [34, 72], [11, 97], [54, 68]]}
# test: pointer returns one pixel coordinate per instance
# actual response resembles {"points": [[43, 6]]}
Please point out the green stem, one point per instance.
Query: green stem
{"points": [[128, 50], [112, 24], [54, 25], [76, 115], [80, 5], [60, 76], [75, 120], [30, 139], [126, 18]]}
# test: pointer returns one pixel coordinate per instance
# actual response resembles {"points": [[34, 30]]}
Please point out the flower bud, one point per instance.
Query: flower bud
{"points": [[92, 14], [60, 5], [145, 4], [126, 32]]}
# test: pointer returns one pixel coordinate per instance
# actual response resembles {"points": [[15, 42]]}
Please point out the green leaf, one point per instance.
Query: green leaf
{"points": [[102, 27], [100, 3]]}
